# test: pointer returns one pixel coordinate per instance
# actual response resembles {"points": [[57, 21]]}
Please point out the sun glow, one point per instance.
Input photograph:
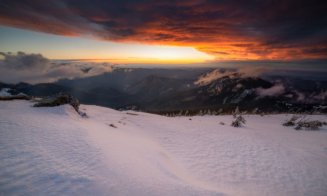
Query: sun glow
{"points": [[148, 54], [140, 53], [167, 54]]}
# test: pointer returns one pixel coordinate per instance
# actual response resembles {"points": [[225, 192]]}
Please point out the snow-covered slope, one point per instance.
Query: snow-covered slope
{"points": [[53, 151]]}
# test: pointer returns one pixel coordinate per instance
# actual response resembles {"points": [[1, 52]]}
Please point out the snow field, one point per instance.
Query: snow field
{"points": [[53, 151]]}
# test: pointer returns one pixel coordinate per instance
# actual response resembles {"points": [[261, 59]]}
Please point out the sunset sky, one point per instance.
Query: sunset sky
{"points": [[181, 31]]}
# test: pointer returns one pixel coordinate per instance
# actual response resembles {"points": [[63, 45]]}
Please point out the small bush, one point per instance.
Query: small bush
{"points": [[301, 122], [61, 99], [291, 122], [309, 125], [238, 122]]}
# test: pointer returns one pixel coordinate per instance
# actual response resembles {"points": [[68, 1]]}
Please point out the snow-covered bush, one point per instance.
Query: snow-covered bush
{"points": [[55, 101], [309, 125], [239, 121], [236, 112], [60, 99], [291, 122], [301, 122]]}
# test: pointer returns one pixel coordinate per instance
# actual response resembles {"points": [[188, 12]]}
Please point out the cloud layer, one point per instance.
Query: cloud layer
{"points": [[234, 29], [275, 90], [34, 68]]}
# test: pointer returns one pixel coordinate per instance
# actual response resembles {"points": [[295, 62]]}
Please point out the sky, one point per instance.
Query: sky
{"points": [[64, 47], [166, 31], [35, 35]]}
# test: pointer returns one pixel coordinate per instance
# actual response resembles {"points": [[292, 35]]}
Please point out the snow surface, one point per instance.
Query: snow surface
{"points": [[4, 92], [53, 151]]}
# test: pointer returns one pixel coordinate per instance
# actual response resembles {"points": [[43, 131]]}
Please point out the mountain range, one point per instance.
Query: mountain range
{"points": [[189, 91]]}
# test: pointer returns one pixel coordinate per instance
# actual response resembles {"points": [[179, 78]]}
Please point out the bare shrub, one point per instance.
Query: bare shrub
{"points": [[238, 122]]}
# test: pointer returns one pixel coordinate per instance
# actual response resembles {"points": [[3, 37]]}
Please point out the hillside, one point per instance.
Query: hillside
{"points": [[54, 151]]}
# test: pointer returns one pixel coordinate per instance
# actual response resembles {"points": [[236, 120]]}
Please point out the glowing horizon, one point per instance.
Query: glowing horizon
{"points": [[76, 48]]}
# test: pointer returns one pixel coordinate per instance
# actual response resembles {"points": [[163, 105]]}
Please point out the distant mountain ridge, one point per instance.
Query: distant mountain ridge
{"points": [[192, 90]]}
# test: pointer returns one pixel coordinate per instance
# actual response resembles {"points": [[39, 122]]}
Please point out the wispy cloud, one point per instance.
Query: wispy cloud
{"points": [[242, 71], [276, 90]]}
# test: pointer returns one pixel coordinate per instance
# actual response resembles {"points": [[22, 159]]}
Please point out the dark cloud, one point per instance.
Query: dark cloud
{"points": [[35, 68], [24, 61], [252, 29]]}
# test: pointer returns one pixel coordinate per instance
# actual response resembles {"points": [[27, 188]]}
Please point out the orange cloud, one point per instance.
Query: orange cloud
{"points": [[229, 30]]}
